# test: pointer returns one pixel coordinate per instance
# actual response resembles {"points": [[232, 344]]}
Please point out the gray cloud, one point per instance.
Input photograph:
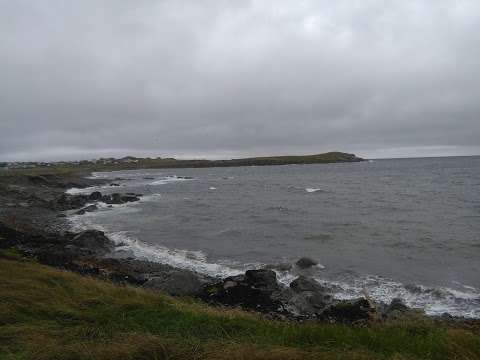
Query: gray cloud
{"points": [[235, 78]]}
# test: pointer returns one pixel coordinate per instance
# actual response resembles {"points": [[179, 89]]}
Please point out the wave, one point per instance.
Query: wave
{"points": [[184, 259], [312, 190], [170, 179], [434, 300], [90, 189]]}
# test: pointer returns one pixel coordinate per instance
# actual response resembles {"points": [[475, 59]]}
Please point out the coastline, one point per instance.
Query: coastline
{"points": [[32, 220]]}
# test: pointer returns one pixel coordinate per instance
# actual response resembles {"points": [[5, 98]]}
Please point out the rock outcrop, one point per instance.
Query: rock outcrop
{"points": [[176, 283], [305, 263], [256, 290]]}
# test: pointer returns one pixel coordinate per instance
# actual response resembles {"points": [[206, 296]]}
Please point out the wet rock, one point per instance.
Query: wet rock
{"points": [[349, 312], [302, 284], [397, 304], [309, 296], [117, 198], [94, 240], [256, 290], [176, 283], [95, 196], [262, 279], [89, 208], [279, 267], [68, 202], [129, 198], [397, 309], [305, 263]]}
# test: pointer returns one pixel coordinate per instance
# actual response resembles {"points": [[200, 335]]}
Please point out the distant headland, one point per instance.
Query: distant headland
{"points": [[130, 162]]}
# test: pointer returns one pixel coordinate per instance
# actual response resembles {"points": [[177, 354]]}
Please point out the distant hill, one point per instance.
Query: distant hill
{"points": [[130, 162]]}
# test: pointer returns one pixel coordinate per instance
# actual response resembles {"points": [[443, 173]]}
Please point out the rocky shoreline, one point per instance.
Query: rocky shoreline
{"points": [[32, 221]]}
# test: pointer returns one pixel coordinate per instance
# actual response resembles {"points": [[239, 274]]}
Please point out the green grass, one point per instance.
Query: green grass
{"points": [[50, 314]]}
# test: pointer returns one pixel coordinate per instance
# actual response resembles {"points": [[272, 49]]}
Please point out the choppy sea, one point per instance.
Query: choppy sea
{"points": [[406, 228]]}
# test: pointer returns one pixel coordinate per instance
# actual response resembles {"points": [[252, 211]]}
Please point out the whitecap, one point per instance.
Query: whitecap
{"points": [[169, 179], [184, 259], [312, 190], [90, 189], [434, 301]]}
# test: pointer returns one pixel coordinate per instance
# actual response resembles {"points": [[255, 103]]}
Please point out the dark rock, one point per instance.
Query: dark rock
{"points": [[89, 208], [262, 279], [349, 312], [95, 196], [68, 202], [114, 184], [309, 296], [302, 284], [256, 290], [279, 267], [94, 240], [305, 263], [129, 198], [397, 304], [176, 283], [117, 198]]}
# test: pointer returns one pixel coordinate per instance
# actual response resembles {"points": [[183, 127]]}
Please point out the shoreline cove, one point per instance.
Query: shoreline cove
{"points": [[381, 289], [54, 199]]}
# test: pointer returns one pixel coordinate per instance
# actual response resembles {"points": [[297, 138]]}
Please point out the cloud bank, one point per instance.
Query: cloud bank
{"points": [[232, 78]]}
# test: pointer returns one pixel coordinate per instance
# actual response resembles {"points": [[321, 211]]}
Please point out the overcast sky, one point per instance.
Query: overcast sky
{"points": [[220, 79]]}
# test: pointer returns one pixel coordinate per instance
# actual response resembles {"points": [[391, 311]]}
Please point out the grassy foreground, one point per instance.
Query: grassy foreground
{"points": [[46, 313]]}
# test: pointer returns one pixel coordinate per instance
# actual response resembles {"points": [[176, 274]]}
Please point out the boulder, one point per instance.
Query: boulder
{"points": [[93, 240], [89, 208], [358, 311], [279, 267], [117, 198], [176, 283], [95, 196], [396, 309], [262, 279], [68, 202], [255, 290], [129, 198], [302, 284], [305, 263], [309, 296], [397, 304]]}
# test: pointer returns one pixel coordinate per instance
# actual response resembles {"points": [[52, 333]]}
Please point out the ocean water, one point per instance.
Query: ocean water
{"points": [[406, 228]]}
